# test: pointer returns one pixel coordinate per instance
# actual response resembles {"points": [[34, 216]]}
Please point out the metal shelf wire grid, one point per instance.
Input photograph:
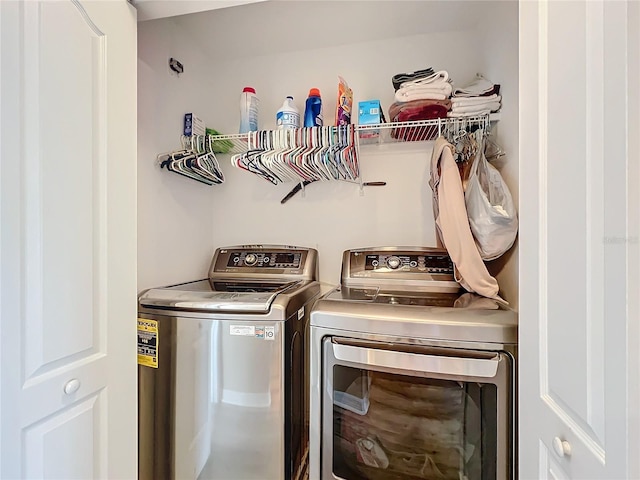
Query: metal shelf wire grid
{"points": [[421, 130]]}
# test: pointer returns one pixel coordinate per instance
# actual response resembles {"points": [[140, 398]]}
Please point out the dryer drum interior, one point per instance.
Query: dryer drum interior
{"points": [[407, 412]]}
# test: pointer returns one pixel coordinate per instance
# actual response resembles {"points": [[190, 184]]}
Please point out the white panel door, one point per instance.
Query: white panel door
{"points": [[578, 239], [68, 394]]}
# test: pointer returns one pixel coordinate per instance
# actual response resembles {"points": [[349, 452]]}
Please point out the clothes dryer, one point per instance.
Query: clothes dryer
{"points": [[411, 377]]}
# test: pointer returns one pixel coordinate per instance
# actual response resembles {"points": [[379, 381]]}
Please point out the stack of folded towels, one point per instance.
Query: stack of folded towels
{"points": [[478, 98], [421, 95], [428, 94]]}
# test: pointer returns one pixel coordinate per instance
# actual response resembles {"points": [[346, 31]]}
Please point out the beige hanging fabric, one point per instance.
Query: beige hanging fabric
{"points": [[452, 223]]}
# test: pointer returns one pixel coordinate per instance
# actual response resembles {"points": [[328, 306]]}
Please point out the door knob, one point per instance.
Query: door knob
{"points": [[562, 447], [71, 386]]}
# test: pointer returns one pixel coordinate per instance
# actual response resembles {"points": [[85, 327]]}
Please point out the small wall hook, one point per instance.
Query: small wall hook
{"points": [[176, 66]]}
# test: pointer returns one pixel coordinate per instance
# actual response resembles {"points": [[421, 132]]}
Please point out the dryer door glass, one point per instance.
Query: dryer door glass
{"points": [[387, 422]]}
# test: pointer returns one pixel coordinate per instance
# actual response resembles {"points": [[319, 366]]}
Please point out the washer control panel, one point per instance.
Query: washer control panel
{"points": [[416, 263], [277, 263], [262, 259]]}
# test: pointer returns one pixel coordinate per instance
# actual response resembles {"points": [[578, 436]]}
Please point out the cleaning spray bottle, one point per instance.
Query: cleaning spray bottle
{"points": [[248, 110]]}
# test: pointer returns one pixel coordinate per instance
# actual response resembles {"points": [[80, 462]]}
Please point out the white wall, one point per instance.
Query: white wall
{"points": [[333, 216], [498, 33], [175, 214], [330, 216], [150, 9]]}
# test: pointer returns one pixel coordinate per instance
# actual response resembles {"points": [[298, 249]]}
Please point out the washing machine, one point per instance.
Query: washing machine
{"points": [[222, 366], [412, 378]]}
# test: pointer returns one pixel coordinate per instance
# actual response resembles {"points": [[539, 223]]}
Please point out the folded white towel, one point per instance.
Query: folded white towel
{"points": [[438, 77], [441, 87], [467, 101], [409, 97], [453, 114], [431, 92], [479, 86], [492, 107]]}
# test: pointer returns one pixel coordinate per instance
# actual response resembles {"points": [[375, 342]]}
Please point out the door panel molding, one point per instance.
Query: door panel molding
{"points": [[633, 234], [588, 420], [42, 441], [578, 303], [595, 214], [578, 428], [52, 235], [68, 243]]}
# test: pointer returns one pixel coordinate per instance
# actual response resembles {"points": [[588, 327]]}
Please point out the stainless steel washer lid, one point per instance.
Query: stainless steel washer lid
{"points": [[242, 279], [467, 317], [209, 296]]}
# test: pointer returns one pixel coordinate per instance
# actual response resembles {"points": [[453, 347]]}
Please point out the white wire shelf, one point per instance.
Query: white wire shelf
{"points": [[307, 154], [420, 130]]}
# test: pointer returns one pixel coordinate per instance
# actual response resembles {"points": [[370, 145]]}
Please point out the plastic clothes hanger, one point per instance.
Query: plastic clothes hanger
{"points": [[294, 158], [470, 156], [282, 164], [179, 166], [238, 160], [288, 158], [182, 162], [348, 155], [289, 144], [199, 163], [208, 163], [492, 151], [331, 156], [326, 157], [297, 159], [307, 158], [267, 158], [336, 157], [248, 161], [320, 159]]}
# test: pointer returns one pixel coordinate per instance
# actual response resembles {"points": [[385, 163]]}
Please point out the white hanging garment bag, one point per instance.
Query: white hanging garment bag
{"points": [[492, 214]]}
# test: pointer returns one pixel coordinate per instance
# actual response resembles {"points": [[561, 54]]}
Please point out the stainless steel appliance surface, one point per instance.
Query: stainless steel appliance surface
{"points": [[411, 378], [222, 366]]}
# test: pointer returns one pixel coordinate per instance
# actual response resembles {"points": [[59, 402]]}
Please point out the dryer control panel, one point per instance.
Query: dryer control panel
{"points": [[430, 263], [403, 268]]}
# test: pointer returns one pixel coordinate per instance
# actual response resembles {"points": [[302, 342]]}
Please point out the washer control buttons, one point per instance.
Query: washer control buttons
{"points": [[250, 259], [393, 262]]}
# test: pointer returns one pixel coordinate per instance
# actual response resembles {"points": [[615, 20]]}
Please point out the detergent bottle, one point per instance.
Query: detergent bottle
{"points": [[313, 109], [248, 110], [288, 116]]}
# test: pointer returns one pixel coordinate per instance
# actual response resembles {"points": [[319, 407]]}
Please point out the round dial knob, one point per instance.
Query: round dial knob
{"points": [[393, 262], [250, 259]]}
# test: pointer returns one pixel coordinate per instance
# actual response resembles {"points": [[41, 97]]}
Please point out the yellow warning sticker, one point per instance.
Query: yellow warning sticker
{"points": [[148, 342]]}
